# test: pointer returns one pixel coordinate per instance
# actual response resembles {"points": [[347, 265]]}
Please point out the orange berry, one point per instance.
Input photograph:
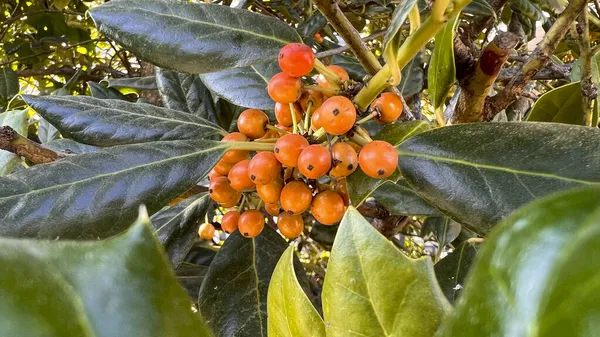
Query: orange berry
{"points": [[238, 177], [341, 188], [283, 127], [234, 156], [296, 59], [229, 223], [290, 225], [206, 231], [284, 89], [270, 192], [337, 115], [223, 167], [316, 120], [270, 134], [388, 107], [283, 113], [213, 174], [251, 223], [273, 208], [311, 96], [378, 159], [314, 161], [221, 192], [355, 146], [328, 207], [288, 148], [341, 72], [251, 122], [345, 160], [318, 38], [264, 168], [295, 197]]}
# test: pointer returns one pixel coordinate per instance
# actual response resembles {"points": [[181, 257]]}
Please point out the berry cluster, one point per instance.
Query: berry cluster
{"points": [[315, 144]]}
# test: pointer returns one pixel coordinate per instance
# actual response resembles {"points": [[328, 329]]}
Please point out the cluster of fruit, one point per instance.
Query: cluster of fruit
{"points": [[316, 143]]}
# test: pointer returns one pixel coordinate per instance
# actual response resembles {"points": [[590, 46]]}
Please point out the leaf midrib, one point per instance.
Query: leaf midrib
{"points": [[493, 168], [100, 176], [185, 209]]}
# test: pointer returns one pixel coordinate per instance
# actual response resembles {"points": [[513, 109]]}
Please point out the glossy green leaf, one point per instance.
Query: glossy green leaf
{"points": [[398, 19], [441, 74], [140, 83], [351, 65], [452, 270], [70, 146], [185, 92], [99, 91], [96, 194], [560, 105], [108, 122], [537, 274], [9, 83], [413, 77], [291, 314], [233, 297], [245, 86], [177, 226], [46, 131], [16, 119], [195, 38], [399, 199], [529, 9], [480, 8], [479, 173], [373, 289], [114, 288], [360, 186], [191, 276], [444, 229]]}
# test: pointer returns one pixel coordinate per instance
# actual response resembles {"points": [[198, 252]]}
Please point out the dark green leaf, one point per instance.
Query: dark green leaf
{"points": [[192, 37], [529, 9], [70, 146], [351, 65], [560, 105], [398, 18], [233, 297], [108, 122], [452, 271], [480, 8], [185, 92], [96, 194], [480, 173], [441, 74], [312, 25], [118, 287], [323, 234], [177, 226], [413, 77], [102, 92], [373, 289], [400, 199], [9, 83], [360, 186], [140, 83], [16, 119], [290, 311], [191, 276], [537, 274], [246, 86], [443, 228], [46, 131]]}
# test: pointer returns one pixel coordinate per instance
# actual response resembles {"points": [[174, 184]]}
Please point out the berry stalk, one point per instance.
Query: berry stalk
{"points": [[329, 75]]}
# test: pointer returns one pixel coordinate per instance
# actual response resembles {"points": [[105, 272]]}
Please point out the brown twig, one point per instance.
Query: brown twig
{"points": [[386, 223], [549, 73], [588, 91], [536, 61], [344, 28], [13, 142], [342, 49]]}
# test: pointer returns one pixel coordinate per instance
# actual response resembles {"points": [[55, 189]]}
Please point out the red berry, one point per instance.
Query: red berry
{"points": [[388, 107], [284, 89], [337, 115], [296, 59], [314, 161]]}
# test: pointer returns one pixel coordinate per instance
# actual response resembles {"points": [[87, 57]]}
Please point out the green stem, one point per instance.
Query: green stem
{"points": [[329, 75], [366, 118], [359, 139], [321, 89], [307, 116], [271, 127], [294, 122], [250, 146]]}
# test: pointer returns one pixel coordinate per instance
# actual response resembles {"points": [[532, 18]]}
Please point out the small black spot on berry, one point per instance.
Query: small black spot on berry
{"points": [[380, 172], [210, 190], [336, 111], [252, 177], [276, 150], [350, 166], [246, 234], [310, 167]]}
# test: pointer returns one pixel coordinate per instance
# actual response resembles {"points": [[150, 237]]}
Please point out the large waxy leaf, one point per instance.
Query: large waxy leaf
{"points": [[190, 276], [177, 226], [140, 83], [373, 289], [233, 297], [351, 65], [413, 77], [400, 199], [96, 194], [360, 186], [245, 86], [185, 92], [291, 314], [537, 274], [114, 288], [191, 37], [70, 146], [480, 8], [442, 70], [480, 173], [102, 92], [9, 83], [108, 122], [560, 105], [16, 119], [452, 270]]}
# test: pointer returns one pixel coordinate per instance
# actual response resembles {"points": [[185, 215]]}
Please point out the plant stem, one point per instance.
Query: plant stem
{"points": [[366, 118], [250, 146], [321, 89], [271, 127], [588, 90], [342, 49], [414, 17], [13, 142], [359, 139], [307, 116], [294, 122], [342, 26], [329, 75]]}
